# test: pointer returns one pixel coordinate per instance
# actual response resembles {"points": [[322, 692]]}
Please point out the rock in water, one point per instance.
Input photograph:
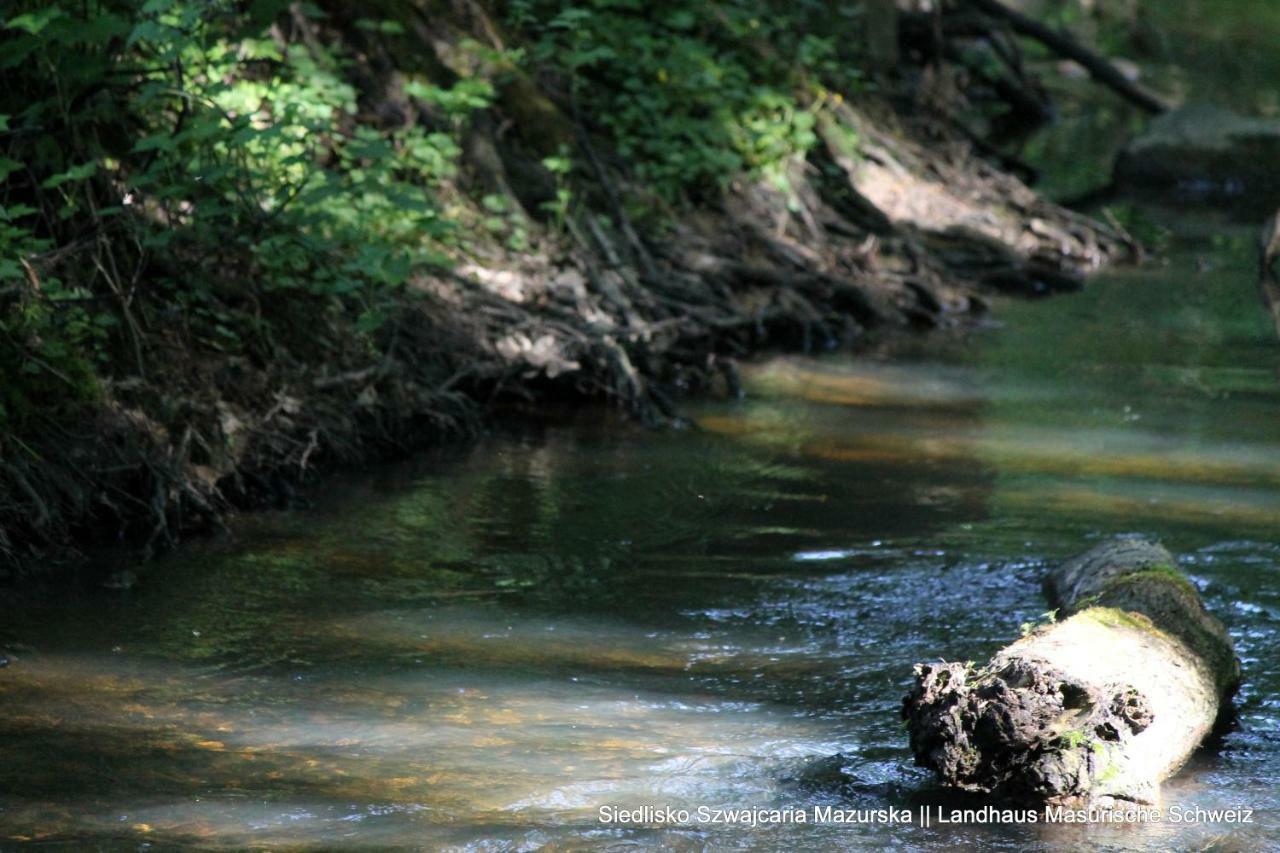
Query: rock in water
{"points": [[1094, 709], [1208, 154]]}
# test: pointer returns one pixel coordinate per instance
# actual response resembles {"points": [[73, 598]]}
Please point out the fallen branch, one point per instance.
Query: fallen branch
{"points": [[1066, 46], [1093, 710]]}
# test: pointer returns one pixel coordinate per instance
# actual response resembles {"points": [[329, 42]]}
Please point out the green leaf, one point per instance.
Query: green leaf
{"points": [[682, 20], [14, 51], [162, 141], [370, 321], [391, 28], [99, 29], [35, 22], [75, 173], [147, 30], [261, 49], [15, 211]]}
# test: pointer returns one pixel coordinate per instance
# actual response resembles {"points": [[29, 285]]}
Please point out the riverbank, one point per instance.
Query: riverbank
{"points": [[343, 238]]}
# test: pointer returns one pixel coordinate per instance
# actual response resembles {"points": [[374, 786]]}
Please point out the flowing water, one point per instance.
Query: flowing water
{"points": [[483, 649]]}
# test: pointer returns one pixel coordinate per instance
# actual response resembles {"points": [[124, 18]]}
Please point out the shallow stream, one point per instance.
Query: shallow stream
{"points": [[482, 649]]}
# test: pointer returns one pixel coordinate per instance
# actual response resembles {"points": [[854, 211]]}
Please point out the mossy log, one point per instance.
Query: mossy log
{"points": [[1093, 709]]}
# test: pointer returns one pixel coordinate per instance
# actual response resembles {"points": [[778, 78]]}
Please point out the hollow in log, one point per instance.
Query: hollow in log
{"points": [[1094, 709]]}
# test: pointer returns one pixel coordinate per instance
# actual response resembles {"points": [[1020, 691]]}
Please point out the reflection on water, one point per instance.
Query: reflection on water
{"points": [[481, 652]]}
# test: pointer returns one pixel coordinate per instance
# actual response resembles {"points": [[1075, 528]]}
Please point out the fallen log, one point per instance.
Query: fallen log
{"points": [[1091, 710]]}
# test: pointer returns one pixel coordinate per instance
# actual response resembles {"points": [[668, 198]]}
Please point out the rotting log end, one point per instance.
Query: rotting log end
{"points": [[1022, 730]]}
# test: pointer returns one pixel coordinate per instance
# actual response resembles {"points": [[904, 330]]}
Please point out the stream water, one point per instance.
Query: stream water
{"points": [[482, 649]]}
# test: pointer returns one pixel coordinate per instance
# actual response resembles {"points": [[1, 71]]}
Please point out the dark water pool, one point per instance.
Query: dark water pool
{"points": [[483, 649]]}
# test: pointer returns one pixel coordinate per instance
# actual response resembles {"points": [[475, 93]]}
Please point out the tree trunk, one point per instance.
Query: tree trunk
{"points": [[1092, 710], [880, 28]]}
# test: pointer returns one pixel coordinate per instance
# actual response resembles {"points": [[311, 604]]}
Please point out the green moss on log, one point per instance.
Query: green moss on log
{"points": [[1171, 603], [1137, 577]]}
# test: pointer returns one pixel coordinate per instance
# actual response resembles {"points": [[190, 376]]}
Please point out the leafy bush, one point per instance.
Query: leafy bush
{"points": [[694, 94], [165, 156]]}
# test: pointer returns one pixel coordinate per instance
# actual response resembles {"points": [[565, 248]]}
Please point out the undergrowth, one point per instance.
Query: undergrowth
{"points": [[202, 170], [212, 174], [696, 95]]}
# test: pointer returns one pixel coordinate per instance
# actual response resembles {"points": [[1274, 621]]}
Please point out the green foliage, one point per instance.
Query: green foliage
{"points": [[560, 166], [1074, 739], [694, 94], [1047, 618], [504, 220], [162, 154], [221, 176]]}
